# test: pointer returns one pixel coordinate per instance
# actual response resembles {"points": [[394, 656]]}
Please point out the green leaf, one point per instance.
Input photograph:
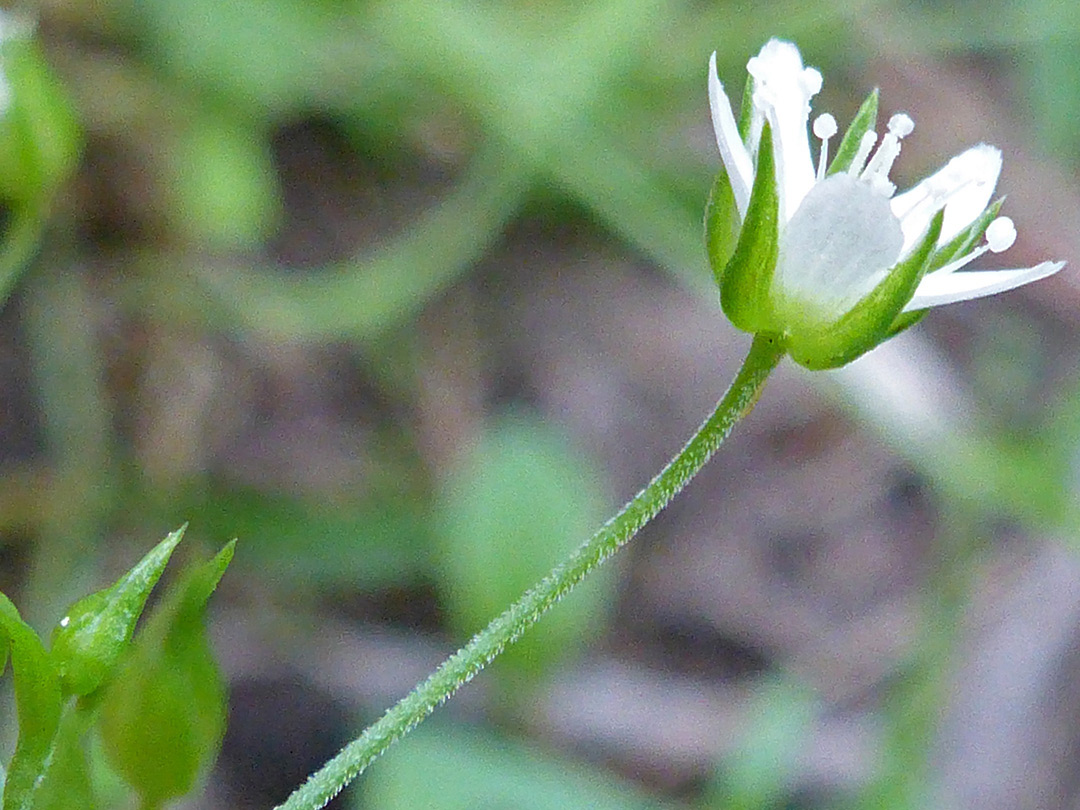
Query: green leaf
{"points": [[869, 321], [758, 772], [223, 184], [39, 136], [67, 782], [375, 542], [37, 703], [88, 641], [266, 56], [163, 714], [746, 281], [446, 768], [521, 502], [864, 121]]}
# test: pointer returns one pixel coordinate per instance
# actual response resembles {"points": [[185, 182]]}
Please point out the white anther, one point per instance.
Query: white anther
{"points": [[1000, 234], [825, 126], [877, 170], [901, 125]]}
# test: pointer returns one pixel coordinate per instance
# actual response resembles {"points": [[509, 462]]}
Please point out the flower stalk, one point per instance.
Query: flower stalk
{"points": [[765, 353]]}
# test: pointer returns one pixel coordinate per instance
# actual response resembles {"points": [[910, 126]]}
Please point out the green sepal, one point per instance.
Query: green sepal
{"points": [[37, 704], [721, 225], [868, 323], [905, 320], [960, 245], [87, 643], [965, 241], [746, 110], [864, 121], [163, 712], [721, 213], [746, 280]]}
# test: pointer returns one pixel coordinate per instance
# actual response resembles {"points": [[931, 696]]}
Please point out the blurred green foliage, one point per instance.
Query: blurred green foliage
{"points": [[579, 110], [461, 768], [491, 555]]}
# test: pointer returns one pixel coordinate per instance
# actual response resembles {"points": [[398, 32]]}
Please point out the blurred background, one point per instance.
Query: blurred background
{"points": [[410, 295]]}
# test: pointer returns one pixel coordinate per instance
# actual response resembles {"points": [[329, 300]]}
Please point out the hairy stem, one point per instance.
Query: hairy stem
{"points": [[459, 669]]}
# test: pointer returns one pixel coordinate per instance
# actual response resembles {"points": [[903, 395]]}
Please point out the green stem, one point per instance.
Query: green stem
{"points": [[459, 669]]}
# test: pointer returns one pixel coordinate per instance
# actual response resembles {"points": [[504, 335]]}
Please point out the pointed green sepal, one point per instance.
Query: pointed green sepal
{"points": [[37, 704], [87, 642], [746, 109], [960, 245], [864, 121], [746, 280], [163, 712], [721, 225], [965, 241], [868, 323], [905, 320]]}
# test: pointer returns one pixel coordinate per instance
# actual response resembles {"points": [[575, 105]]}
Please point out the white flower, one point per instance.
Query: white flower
{"points": [[841, 234]]}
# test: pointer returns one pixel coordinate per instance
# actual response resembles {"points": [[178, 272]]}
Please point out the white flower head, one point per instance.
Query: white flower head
{"points": [[849, 256]]}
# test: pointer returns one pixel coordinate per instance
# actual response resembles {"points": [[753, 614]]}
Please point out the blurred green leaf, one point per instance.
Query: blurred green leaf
{"points": [[270, 56], [67, 783], [223, 183], [163, 714], [361, 298], [970, 25], [519, 504], [37, 703], [88, 641], [756, 776], [445, 768], [371, 544], [1048, 68], [39, 135], [39, 146]]}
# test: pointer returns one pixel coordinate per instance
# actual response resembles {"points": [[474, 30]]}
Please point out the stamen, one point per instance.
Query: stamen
{"points": [[824, 128], [1000, 234], [877, 170], [862, 153]]}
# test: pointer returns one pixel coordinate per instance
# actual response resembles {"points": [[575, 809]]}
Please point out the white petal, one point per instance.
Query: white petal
{"points": [[947, 288], [782, 90], [964, 185], [838, 246], [740, 167]]}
